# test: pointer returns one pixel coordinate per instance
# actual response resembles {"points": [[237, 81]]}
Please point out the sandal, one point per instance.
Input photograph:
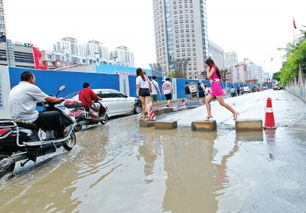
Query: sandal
{"points": [[235, 116], [208, 117]]}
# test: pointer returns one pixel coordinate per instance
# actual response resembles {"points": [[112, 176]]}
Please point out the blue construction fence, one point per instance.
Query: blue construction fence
{"points": [[50, 81]]}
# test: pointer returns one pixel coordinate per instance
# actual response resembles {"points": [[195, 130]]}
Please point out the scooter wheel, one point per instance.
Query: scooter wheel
{"points": [[105, 120], [9, 169], [70, 143], [77, 127]]}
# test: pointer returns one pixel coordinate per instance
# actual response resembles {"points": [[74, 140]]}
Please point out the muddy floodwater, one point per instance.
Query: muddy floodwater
{"points": [[121, 167]]}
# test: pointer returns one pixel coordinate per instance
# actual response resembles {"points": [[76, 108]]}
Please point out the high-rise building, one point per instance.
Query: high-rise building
{"points": [[2, 19], [123, 56], [216, 53], [230, 59], [181, 38], [68, 52]]}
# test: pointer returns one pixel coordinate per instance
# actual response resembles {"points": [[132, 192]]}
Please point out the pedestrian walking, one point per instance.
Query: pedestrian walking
{"points": [[167, 90], [144, 92], [214, 75], [201, 92], [155, 91], [187, 90], [238, 90], [233, 91]]}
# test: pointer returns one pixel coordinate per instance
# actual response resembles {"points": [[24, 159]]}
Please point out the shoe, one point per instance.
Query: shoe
{"points": [[235, 116], [208, 117]]}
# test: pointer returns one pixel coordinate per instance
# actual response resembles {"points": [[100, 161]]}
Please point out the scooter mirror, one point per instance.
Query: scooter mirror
{"points": [[62, 88]]}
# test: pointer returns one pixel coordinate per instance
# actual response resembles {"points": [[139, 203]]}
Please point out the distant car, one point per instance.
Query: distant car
{"points": [[277, 87], [116, 102], [246, 90]]}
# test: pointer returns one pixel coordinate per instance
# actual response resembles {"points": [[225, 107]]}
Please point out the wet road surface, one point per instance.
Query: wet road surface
{"points": [[123, 168]]}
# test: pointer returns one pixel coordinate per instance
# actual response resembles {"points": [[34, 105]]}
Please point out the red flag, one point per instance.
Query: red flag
{"points": [[37, 55], [294, 26]]}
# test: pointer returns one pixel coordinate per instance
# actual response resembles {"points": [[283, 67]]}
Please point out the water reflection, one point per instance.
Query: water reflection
{"points": [[190, 183], [146, 150], [55, 187]]}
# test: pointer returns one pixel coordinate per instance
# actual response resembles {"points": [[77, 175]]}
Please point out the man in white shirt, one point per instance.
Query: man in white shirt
{"points": [[155, 90], [23, 99]]}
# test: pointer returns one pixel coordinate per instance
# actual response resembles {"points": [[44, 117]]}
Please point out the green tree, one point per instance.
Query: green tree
{"points": [[295, 57], [276, 76]]}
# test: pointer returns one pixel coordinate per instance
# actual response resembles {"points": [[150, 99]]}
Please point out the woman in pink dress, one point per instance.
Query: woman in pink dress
{"points": [[213, 74]]}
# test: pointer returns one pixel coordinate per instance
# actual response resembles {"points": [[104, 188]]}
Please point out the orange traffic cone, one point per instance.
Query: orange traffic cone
{"points": [[269, 118]]}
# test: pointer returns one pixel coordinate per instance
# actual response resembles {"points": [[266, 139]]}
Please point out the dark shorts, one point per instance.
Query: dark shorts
{"points": [[168, 96], [154, 97], [201, 95], [144, 92]]}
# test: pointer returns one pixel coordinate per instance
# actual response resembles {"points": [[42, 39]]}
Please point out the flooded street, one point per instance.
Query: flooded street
{"points": [[121, 167]]}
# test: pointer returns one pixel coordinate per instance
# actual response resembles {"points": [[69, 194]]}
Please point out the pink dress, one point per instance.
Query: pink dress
{"points": [[216, 87]]}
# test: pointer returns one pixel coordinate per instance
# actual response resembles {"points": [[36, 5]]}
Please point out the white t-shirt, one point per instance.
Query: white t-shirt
{"points": [[154, 87], [23, 99], [167, 87], [142, 83]]}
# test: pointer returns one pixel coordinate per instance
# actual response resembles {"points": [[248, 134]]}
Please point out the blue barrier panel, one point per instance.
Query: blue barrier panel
{"points": [[50, 81], [132, 84], [114, 69]]}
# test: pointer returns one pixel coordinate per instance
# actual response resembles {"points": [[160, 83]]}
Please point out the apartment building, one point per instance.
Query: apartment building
{"points": [[181, 37]]}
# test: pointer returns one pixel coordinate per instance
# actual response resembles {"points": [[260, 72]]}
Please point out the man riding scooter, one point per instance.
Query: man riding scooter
{"points": [[23, 99], [87, 97]]}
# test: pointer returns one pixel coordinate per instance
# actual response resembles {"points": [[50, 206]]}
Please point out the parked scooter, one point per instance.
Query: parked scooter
{"points": [[83, 117], [20, 140]]}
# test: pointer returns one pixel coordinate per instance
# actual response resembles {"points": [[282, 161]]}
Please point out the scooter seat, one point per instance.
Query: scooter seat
{"points": [[27, 125]]}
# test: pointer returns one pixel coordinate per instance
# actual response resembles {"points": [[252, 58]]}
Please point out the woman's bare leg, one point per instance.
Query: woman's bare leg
{"points": [[208, 106], [147, 104], [142, 99], [227, 106]]}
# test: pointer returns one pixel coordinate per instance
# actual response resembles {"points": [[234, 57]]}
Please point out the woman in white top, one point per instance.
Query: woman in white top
{"points": [[143, 86], [167, 90]]}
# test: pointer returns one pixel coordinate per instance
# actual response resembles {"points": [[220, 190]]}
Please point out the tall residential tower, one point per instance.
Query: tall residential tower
{"points": [[2, 19], [181, 36]]}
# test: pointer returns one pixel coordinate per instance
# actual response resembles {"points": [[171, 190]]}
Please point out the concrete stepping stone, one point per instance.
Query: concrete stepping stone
{"points": [[145, 123], [202, 125], [248, 125], [165, 124]]}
